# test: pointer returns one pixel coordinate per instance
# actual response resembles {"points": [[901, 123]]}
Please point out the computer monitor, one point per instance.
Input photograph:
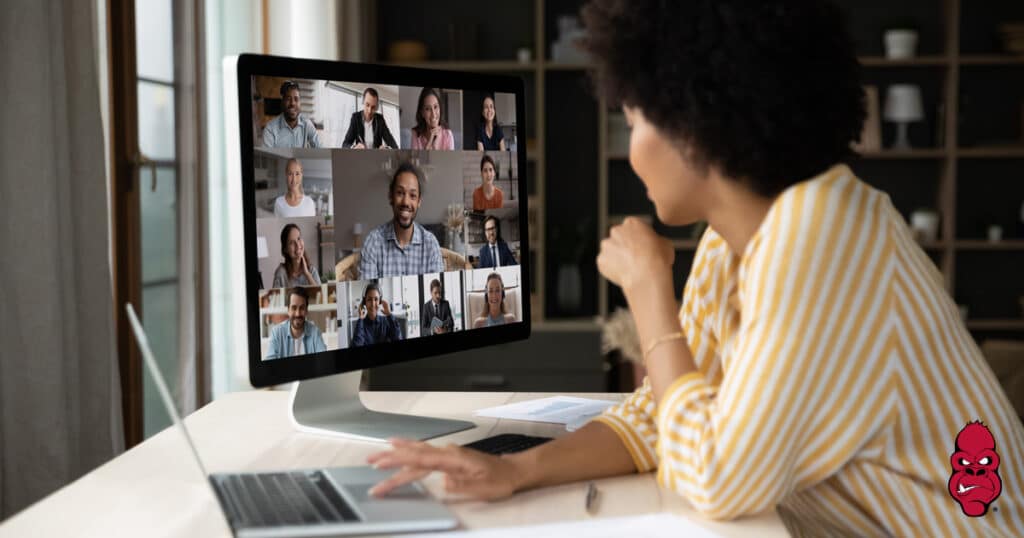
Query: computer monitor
{"points": [[385, 221]]}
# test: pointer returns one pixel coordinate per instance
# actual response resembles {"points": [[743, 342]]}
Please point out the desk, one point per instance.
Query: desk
{"points": [[156, 489]]}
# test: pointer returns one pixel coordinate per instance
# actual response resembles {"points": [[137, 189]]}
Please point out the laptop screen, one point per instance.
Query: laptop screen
{"points": [[384, 213]]}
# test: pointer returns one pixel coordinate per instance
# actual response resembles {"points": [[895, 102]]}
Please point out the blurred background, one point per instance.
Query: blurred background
{"points": [[944, 137]]}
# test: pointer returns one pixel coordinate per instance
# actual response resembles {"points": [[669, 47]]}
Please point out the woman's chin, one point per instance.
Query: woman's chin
{"points": [[674, 217]]}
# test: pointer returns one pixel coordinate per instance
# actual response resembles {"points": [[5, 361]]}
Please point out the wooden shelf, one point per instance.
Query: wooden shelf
{"points": [[913, 153], [498, 65], [992, 152], [566, 66], [1008, 324], [933, 245], [919, 61], [991, 59], [470, 65], [981, 244]]}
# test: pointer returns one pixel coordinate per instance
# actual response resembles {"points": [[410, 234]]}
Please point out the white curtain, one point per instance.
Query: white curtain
{"points": [[60, 413]]}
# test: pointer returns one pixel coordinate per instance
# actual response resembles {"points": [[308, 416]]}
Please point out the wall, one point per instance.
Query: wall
{"points": [[303, 28]]}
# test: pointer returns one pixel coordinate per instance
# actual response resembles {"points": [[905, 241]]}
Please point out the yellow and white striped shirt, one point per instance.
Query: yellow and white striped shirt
{"points": [[834, 374]]}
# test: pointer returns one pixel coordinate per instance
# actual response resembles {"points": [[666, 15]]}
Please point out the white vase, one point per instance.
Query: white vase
{"points": [[900, 44]]}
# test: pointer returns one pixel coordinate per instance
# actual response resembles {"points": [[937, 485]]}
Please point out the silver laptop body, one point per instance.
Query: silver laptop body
{"points": [[307, 502]]}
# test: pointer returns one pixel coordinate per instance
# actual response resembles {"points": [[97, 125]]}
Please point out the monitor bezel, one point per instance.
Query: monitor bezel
{"points": [[265, 373]]}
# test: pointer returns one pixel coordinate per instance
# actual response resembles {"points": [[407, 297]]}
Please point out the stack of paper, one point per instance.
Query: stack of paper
{"points": [[568, 410]]}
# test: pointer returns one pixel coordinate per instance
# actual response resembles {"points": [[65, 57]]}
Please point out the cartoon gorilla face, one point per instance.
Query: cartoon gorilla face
{"points": [[975, 481]]}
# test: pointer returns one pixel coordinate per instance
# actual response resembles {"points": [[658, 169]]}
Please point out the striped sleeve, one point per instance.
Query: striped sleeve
{"points": [[806, 383], [634, 419]]}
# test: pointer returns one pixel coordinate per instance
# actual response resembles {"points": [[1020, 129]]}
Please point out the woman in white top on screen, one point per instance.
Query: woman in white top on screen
{"points": [[429, 131], [495, 309], [294, 203], [296, 270]]}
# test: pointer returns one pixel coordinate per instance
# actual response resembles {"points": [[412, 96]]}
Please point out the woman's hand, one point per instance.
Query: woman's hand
{"points": [[385, 307], [304, 268], [435, 137], [467, 471], [633, 254]]}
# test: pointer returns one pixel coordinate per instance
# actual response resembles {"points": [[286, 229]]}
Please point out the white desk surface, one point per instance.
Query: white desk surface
{"points": [[155, 489]]}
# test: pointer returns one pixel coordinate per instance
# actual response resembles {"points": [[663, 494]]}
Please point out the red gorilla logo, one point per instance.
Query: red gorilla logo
{"points": [[975, 481]]}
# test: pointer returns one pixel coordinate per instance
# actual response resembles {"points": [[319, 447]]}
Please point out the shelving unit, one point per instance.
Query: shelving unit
{"points": [[956, 49]]}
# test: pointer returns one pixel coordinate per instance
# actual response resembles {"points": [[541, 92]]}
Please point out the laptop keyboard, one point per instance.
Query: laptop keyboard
{"points": [[506, 443], [279, 499]]}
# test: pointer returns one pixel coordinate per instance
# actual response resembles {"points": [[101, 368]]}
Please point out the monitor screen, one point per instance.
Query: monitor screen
{"points": [[385, 214]]}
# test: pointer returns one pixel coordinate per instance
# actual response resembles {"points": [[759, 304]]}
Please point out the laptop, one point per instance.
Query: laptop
{"points": [[306, 502]]}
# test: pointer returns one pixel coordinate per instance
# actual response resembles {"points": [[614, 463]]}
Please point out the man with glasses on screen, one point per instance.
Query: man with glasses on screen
{"points": [[496, 252], [401, 246], [296, 335], [367, 129], [290, 129]]}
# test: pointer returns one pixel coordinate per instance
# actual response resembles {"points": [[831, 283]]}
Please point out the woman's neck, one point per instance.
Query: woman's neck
{"points": [[293, 197], [494, 311], [488, 189], [735, 212]]}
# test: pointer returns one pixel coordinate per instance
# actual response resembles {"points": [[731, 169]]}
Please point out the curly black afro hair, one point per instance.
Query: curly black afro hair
{"points": [[767, 91]]}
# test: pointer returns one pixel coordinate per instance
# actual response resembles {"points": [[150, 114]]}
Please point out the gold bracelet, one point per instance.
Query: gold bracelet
{"points": [[661, 340]]}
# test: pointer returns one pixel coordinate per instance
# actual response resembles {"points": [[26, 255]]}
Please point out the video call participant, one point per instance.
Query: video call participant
{"points": [[375, 327], [436, 315], [430, 132], [290, 129], [369, 121], [296, 335], [296, 269], [488, 134], [496, 252], [487, 195], [495, 311], [401, 246], [294, 203]]}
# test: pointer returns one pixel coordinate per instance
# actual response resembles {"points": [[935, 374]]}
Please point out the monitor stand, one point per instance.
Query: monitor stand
{"points": [[330, 405]]}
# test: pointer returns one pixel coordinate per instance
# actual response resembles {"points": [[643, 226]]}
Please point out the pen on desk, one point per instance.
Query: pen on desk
{"points": [[591, 500]]}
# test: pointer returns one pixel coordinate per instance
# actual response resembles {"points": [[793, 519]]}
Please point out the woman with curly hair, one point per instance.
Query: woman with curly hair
{"points": [[817, 365]]}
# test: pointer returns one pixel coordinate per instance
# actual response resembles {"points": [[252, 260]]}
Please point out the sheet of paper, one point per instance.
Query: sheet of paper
{"points": [[567, 410], [644, 526]]}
